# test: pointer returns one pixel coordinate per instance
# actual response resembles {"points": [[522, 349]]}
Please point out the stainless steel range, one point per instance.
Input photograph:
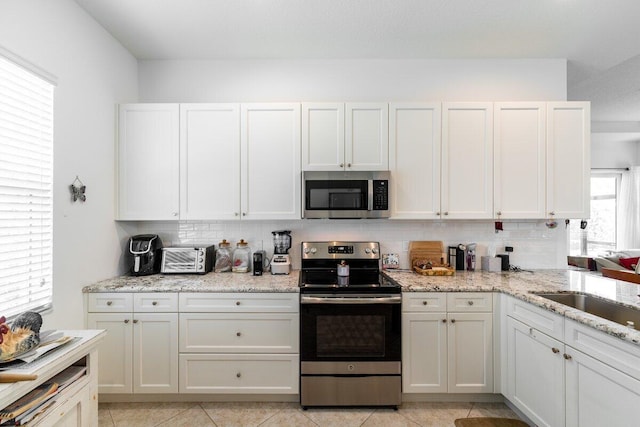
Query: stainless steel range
{"points": [[350, 332]]}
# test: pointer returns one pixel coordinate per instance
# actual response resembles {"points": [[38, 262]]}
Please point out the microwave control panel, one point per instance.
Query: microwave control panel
{"points": [[380, 195]]}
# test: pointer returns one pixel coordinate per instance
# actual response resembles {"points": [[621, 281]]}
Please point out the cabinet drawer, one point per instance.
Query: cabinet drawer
{"points": [[424, 301], [245, 333], [208, 302], [239, 373], [613, 351], [113, 302], [470, 301], [155, 302], [543, 320]]}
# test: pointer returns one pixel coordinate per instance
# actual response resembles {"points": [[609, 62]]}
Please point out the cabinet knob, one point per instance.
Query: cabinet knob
{"points": [[238, 334], [235, 214], [555, 350], [552, 213], [348, 165], [438, 213], [567, 356], [341, 165], [446, 213], [453, 320], [424, 303], [444, 320], [109, 302], [470, 302], [175, 214], [135, 320], [244, 214], [126, 320], [238, 375], [154, 303], [498, 213], [237, 302]]}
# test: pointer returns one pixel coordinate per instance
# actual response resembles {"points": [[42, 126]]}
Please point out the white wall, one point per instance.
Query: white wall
{"points": [[353, 80], [615, 150], [94, 72], [363, 80]]}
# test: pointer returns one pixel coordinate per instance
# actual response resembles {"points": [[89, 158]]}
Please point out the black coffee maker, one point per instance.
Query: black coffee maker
{"points": [[144, 254]]}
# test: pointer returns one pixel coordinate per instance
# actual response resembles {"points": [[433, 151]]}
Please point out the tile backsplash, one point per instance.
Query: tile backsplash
{"points": [[535, 246]]}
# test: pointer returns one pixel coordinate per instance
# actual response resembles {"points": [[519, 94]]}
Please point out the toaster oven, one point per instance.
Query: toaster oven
{"points": [[187, 260]]}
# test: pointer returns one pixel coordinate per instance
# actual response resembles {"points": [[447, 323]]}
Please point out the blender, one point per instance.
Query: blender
{"points": [[281, 261]]}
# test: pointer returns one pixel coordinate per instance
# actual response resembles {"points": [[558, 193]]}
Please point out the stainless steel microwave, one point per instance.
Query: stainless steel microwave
{"points": [[345, 195]]}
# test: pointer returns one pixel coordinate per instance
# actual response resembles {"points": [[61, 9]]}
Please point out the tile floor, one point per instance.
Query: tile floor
{"points": [[275, 414]]}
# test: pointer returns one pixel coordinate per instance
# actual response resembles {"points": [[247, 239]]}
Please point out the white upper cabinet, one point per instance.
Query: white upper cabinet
{"points": [[519, 160], [148, 152], [467, 160], [209, 161], [323, 137], [351, 137], [270, 161], [568, 159], [414, 160]]}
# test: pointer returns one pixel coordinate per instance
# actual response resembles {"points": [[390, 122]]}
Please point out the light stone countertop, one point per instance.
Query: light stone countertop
{"points": [[522, 284], [210, 282]]}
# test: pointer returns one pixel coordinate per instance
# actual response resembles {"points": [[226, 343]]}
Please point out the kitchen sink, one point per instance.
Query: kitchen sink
{"points": [[600, 307]]}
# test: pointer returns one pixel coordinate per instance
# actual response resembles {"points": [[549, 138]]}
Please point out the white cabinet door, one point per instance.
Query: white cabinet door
{"points": [[270, 161], [424, 353], [155, 353], [323, 137], [115, 367], [414, 160], [599, 395], [568, 159], [470, 348], [148, 162], [367, 136], [535, 374], [467, 160], [519, 165], [209, 161]]}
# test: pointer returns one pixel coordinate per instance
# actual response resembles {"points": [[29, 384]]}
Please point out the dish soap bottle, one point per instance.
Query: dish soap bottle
{"points": [[241, 257]]}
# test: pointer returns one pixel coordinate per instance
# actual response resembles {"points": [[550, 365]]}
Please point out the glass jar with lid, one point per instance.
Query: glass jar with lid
{"points": [[241, 257], [224, 257]]}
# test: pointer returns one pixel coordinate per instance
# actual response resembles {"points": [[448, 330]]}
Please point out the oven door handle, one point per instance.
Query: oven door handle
{"points": [[385, 299]]}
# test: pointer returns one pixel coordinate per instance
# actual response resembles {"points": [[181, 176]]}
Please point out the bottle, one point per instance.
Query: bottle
{"points": [[223, 257], [241, 257]]}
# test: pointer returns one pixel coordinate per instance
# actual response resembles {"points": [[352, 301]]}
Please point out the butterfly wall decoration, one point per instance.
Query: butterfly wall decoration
{"points": [[77, 189]]}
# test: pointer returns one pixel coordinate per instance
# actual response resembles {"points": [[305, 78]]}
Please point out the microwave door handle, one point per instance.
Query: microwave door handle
{"points": [[370, 196]]}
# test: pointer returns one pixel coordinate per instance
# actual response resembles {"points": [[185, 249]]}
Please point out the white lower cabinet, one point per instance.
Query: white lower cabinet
{"points": [[239, 343], [447, 343], [140, 351], [580, 377], [535, 381]]}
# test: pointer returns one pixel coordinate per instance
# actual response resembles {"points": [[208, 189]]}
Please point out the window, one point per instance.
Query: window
{"points": [[26, 173], [601, 229]]}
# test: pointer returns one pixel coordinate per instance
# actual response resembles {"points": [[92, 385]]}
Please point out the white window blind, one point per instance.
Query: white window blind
{"points": [[26, 200]]}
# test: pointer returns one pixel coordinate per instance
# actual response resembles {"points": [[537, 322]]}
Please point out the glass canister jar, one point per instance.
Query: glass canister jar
{"points": [[241, 257], [224, 257]]}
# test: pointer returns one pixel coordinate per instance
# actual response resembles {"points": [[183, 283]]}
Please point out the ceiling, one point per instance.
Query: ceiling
{"points": [[600, 39]]}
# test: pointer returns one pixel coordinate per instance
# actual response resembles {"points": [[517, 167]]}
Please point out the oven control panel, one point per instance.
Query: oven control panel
{"points": [[341, 250]]}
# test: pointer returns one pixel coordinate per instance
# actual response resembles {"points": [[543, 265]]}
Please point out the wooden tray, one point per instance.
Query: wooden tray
{"points": [[432, 251]]}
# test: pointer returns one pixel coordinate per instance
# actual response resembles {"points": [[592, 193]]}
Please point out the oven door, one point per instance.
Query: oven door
{"points": [[339, 327]]}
